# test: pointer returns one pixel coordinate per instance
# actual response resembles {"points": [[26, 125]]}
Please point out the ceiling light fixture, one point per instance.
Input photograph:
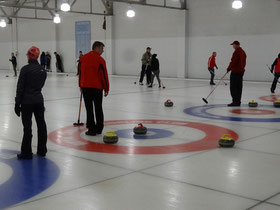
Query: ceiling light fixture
{"points": [[237, 4], [56, 19]]}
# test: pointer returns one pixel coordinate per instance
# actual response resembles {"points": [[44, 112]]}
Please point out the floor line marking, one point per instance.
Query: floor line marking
{"points": [[263, 201], [200, 186]]}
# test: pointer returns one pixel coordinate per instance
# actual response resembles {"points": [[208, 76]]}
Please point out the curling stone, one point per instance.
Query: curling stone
{"points": [[7, 75], [253, 104], [168, 103], [110, 138], [226, 141], [276, 103], [140, 129]]}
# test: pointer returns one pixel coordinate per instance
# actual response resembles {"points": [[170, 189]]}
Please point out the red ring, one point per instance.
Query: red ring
{"points": [[70, 137], [252, 111], [270, 98]]}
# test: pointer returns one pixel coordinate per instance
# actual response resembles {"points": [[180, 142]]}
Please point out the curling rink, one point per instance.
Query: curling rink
{"points": [[177, 165]]}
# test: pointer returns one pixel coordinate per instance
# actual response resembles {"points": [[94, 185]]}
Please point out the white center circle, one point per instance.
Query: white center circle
{"points": [[6, 172]]}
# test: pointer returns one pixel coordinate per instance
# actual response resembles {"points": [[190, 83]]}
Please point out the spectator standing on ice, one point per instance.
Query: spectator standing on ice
{"points": [[78, 62], [237, 69], [43, 59], [29, 100], [211, 67], [48, 61], [14, 63], [59, 66]]}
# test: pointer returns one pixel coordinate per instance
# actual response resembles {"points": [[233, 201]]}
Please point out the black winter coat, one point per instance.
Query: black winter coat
{"points": [[154, 64], [30, 83]]}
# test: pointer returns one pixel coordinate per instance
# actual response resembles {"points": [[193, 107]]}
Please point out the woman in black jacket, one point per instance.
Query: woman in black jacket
{"points": [[155, 70], [29, 100]]}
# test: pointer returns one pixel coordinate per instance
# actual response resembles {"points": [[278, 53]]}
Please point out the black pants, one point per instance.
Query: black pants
{"points": [[236, 86], [156, 74], [15, 69], [146, 70], [26, 115], [212, 72], [59, 66], [274, 83], [92, 95]]}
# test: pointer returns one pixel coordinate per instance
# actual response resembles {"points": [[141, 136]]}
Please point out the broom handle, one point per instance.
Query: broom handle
{"points": [[80, 107], [217, 85]]}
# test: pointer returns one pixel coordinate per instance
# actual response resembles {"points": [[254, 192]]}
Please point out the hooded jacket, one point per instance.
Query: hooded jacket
{"points": [[154, 63]]}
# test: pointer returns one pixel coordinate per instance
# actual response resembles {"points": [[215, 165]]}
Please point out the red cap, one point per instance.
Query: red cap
{"points": [[33, 53], [235, 42]]}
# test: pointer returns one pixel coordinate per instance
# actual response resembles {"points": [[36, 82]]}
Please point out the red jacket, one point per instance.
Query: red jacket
{"points": [[212, 62], [93, 72], [277, 65], [238, 61]]}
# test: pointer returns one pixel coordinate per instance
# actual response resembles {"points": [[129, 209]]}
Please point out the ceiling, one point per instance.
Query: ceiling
{"points": [[46, 9]]}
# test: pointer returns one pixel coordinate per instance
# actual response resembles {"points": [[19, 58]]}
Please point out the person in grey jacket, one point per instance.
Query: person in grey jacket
{"points": [[29, 100], [146, 66]]}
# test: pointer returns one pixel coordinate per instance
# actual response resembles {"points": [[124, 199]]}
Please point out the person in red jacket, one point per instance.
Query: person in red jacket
{"points": [[237, 69], [276, 67], [93, 80], [211, 66]]}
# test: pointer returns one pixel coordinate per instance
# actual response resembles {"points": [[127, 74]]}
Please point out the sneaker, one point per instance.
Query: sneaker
{"points": [[150, 86], [24, 157], [233, 104], [90, 133], [212, 83], [140, 83]]}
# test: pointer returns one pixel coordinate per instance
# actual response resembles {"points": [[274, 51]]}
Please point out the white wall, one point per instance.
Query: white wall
{"points": [[213, 25], [35, 33], [65, 37], [161, 29], [183, 40], [5, 47], [51, 37]]}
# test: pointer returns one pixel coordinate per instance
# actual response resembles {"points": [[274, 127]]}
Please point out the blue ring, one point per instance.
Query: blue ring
{"points": [[201, 111], [29, 178], [159, 133]]}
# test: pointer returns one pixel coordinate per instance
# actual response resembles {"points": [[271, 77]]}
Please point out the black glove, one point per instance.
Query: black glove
{"points": [[17, 109], [271, 71], [228, 70], [217, 67]]}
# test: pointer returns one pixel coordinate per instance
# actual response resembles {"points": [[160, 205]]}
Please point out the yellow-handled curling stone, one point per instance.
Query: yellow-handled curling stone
{"points": [[110, 138], [276, 103], [226, 141], [253, 104]]}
